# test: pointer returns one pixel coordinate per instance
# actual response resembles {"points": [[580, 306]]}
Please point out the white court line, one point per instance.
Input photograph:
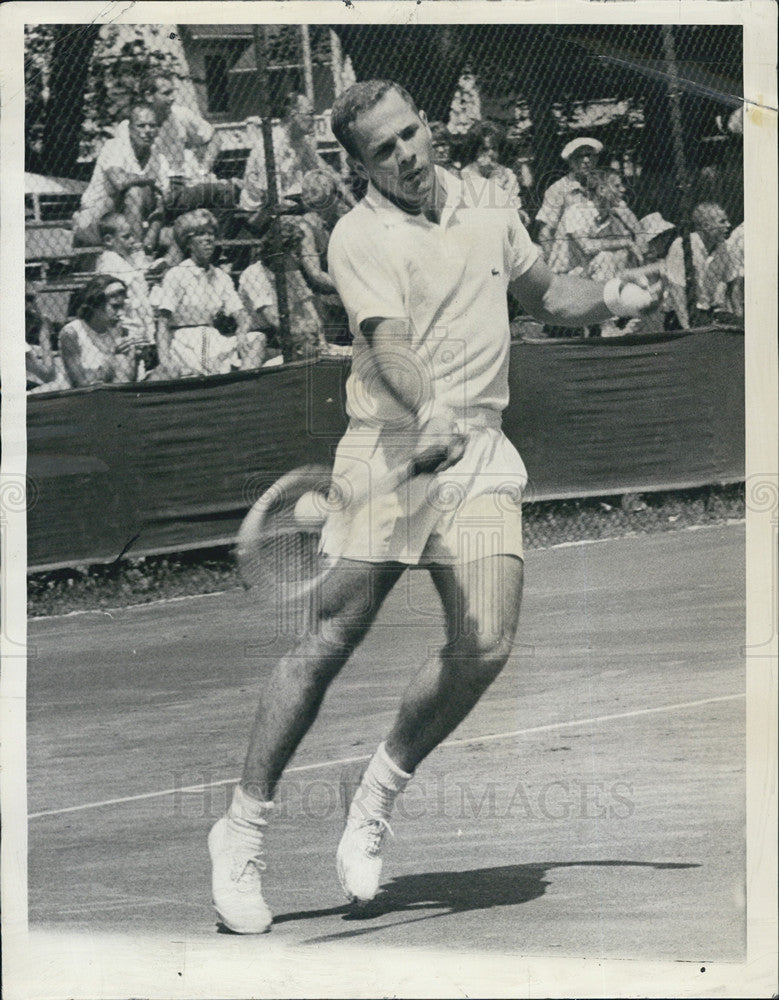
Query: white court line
{"points": [[730, 522], [354, 760]]}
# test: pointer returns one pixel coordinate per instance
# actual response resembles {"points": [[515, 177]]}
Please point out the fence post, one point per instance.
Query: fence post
{"points": [[261, 58], [682, 178]]}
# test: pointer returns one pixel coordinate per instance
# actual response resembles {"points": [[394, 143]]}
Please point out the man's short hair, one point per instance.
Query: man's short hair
{"points": [[361, 97], [702, 212], [109, 224], [149, 85], [139, 106]]}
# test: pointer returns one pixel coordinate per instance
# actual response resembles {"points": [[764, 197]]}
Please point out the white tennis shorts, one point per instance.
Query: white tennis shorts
{"points": [[470, 511]]}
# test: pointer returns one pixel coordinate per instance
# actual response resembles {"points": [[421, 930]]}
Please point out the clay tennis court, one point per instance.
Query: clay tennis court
{"points": [[592, 805]]}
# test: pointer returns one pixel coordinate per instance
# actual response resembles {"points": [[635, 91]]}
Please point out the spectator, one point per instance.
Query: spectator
{"points": [[486, 141], [95, 346], [41, 361], [581, 156], [124, 259], [195, 300], [593, 238], [188, 142], [257, 287], [325, 208], [442, 147], [295, 154], [129, 177], [189, 145], [724, 278], [710, 230]]}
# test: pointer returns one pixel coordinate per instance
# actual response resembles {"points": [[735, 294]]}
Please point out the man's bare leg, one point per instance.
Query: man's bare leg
{"points": [[481, 600], [351, 597]]}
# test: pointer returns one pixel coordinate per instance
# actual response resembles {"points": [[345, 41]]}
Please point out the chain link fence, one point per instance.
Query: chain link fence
{"points": [[182, 180]]}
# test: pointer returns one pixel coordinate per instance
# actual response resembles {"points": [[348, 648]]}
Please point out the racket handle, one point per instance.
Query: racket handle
{"points": [[434, 456]]}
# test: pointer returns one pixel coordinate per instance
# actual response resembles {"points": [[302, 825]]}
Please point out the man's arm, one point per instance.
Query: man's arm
{"points": [[308, 257], [210, 152], [566, 300], [406, 377]]}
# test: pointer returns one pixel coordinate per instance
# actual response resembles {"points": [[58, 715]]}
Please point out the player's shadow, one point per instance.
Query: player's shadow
{"points": [[455, 892]]}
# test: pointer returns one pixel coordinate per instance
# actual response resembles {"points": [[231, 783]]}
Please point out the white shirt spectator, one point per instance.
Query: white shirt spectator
{"points": [[100, 197], [558, 196], [182, 133], [138, 311], [257, 287], [194, 295], [291, 167], [705, 282]]}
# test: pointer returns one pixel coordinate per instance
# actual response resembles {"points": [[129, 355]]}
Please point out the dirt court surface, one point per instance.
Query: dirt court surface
{"points": [[591, 806]]}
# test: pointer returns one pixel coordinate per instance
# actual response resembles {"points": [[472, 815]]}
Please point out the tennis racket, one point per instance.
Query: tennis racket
{"points": [[277, 547]]}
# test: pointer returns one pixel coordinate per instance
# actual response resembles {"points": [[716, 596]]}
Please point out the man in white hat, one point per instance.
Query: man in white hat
{"points": [[581, 156]]}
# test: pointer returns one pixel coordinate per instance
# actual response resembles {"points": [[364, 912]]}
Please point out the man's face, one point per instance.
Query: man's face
{"points": [[396, 150], [302, 114], [143, 128], [715, 226], [122, 240], [162, 97], [582, 161]]}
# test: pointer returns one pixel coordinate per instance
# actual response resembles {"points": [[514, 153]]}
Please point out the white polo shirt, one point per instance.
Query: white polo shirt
{"points": [[449, 279]]}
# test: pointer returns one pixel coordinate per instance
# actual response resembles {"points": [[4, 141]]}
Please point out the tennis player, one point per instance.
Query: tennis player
{"points": [[423, 264]]}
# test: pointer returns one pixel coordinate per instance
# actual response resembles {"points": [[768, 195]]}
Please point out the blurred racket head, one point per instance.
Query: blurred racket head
{"points": [[277, 554]]}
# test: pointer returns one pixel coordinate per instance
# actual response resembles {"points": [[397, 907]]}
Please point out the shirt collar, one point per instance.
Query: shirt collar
{"points": [[391, 215]]}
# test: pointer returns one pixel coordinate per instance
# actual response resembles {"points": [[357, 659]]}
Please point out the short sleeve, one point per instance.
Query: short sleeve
{"points": [[169, 295], [552, 206], [197, 129], [113, 154], [360, 264], [674, 263], [523, 253], [255, 287]]}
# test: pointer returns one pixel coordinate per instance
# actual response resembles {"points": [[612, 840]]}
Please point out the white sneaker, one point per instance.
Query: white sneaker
{"points": [[358, 859], [236, 878]]}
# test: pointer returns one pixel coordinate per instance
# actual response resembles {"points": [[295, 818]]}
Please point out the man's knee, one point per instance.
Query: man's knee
{"points": [[478, 658]]}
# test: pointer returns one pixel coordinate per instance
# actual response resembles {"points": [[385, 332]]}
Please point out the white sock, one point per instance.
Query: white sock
{"points": [[247, 816], [381, 784]]}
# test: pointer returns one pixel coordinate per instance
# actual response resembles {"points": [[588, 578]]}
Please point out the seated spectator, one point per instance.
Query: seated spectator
{"points": [[710, 229], [188, 142], [485, 140], [189, 145], [95, 347], [581, 156], [442, 147], [125, 260], [295, 155], [257, 287], [593, 238], [129, 176], [727, 278], [325, 208], [194, 301], [43, 365]]}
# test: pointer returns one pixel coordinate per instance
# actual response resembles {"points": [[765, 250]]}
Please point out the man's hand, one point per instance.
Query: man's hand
{"points": [[440, 444], [650, 277]]}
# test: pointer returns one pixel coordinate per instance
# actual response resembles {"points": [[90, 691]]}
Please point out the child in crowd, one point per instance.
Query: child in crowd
{"points": [[125, 260]]}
